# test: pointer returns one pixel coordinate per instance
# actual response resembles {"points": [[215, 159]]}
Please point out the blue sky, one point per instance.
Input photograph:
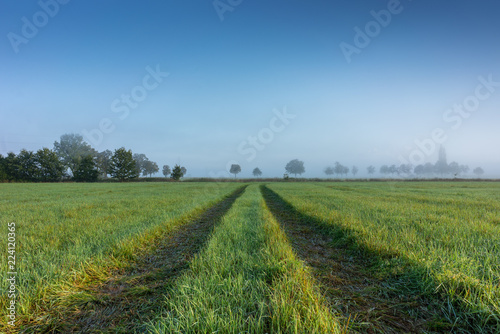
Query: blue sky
{"points": [[71, 67]]}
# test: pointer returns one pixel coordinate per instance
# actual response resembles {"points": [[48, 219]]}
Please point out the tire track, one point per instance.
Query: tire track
{"points": [[347, 278], [134, 296]]}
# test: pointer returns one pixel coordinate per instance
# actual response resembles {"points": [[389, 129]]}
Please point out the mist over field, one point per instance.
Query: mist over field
{"points": [[124, 124], [209, 84]]}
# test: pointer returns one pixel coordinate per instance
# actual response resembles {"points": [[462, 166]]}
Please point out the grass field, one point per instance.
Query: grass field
{"points": [[319, 257]]}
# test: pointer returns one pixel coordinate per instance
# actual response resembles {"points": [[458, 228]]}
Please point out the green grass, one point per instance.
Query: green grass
{"points": [[69, 233], [447, 234], [247, 280], [441, 237]]}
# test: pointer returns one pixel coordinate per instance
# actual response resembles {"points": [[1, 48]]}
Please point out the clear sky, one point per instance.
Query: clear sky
{"points": [[209, 83]]}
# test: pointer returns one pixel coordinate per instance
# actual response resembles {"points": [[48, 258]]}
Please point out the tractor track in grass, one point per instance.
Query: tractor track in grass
{"points": [[132, 297], [346, 277]]}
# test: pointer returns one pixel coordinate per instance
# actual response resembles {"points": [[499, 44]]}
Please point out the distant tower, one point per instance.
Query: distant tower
{"points": [[442, 163]]}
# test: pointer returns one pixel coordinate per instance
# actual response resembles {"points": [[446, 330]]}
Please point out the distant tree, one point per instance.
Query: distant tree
{"points": [[371, 170], [27, 166], [235, 169], [177, 173], [393, 169], [183, 171], [329, 171], [478, 171], [3, 172], [419, 170], [150, 168], [12, 167], [384, 169], [456, 169], [166, 170], [140, 163], [87, 170], [122, 165], [405, 169], [429, 169], [345, 170], [354, 171], [257, 172], [103, 161], [50, 168], [295, 167], [338, 169], [464, 169], [441, 166], [71, 149]]}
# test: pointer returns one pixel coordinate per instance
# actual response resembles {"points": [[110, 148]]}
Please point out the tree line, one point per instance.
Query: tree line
{"points": [[441, 168], [73, 159]]}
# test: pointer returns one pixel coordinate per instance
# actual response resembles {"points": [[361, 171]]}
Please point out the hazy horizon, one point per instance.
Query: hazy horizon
{"points": [[212, 83]]}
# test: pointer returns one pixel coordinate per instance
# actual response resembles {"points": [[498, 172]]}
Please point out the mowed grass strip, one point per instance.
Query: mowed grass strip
{"points": [[67, 234], [445, 234], [246, 280]]}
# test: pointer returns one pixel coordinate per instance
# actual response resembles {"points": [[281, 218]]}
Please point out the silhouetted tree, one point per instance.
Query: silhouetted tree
{"points": [[371, 170], [166, 170], [295, 167], [329, 171], [235, 169], [150, 168], [257, 172]]}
